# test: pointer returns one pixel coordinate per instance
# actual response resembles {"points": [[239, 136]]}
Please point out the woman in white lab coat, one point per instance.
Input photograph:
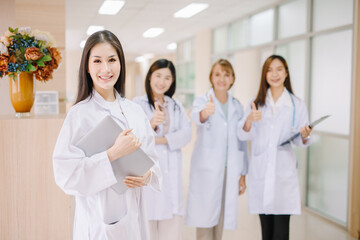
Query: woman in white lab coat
{"points": [[172, 128], [219, 159], [102, 213], [271, 118]]}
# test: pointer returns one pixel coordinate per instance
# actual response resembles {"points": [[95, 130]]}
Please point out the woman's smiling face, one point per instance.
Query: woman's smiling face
{"points": [[104, 67]]}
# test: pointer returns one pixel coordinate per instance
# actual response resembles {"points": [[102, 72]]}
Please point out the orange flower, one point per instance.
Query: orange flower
{"points": [[32, 53], [4, 62], [55, 57], [44, 73]]}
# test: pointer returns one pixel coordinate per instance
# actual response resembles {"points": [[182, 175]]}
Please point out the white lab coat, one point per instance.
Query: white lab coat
{"points": [[208, 165], [273, 186], [89, 178], [170, 201]]}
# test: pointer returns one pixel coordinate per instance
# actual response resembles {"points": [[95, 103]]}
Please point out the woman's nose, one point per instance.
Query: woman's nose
{"points": [[106, 66]]}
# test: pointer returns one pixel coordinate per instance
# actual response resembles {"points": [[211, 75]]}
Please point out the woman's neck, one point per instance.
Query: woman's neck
{"points": [[108, 95], [159, 97], [222, 96], [276, 92]]}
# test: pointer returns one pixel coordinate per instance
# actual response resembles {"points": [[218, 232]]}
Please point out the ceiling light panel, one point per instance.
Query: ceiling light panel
{"points": [[82, 44], [171, 46], [152, 32], [91, 29], [191, 10], [111, 7]]}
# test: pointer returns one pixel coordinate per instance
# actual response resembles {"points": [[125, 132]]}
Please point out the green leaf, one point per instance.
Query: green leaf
{"points": [[11, 30], [22, 49], [30, 68], [40, 63], [46, 58], [16, 30]]}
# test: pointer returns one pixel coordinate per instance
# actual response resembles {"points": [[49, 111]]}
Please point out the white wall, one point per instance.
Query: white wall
{"points": [[247, 74], [202, 61]]}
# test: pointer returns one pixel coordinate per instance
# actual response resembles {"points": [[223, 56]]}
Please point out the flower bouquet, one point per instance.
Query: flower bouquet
{"points": [[31, 51], [25, 54]]}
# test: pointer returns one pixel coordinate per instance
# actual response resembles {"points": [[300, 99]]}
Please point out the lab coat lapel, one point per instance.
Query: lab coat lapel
{"points": [[116, 113], [231, 107]]}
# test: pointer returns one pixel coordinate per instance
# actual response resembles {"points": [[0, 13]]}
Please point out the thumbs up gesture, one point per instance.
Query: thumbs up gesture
{"points": [[158, 117], [255, 115], [208, 110]]}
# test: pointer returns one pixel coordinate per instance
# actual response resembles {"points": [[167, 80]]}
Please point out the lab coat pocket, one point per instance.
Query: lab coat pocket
{"points": [[257, 166], [123, 229], [285, 162], [125, 225]]}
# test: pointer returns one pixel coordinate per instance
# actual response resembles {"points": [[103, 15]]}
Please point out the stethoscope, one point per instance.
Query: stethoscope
{"points": [[293, 129]]}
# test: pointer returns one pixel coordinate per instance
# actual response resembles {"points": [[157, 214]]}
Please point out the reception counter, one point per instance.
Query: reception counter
{"points": [[32, 206]]}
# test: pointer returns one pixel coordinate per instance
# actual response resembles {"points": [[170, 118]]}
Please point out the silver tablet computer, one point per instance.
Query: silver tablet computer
{"points": [[101, 138]]}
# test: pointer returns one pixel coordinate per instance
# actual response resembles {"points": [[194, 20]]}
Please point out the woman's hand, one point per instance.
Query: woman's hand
{"points": [[208, 110], [133, 182], [161, 140], [125, 144], [242, 185], [305, 133], [254, 116], [158, 117]]}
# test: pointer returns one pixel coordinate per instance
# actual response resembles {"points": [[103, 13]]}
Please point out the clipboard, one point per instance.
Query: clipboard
{"points": [[101, 138], [311, 125]]}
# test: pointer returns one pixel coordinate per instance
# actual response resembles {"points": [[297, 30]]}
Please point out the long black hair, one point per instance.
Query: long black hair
{"points": [[161, 63], [85, 81], [264, 85]]}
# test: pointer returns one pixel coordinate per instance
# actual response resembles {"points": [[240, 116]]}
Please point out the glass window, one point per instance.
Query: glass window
{"points": [[261, 27], [331, 81], [328, 166], [295, 55], [220, 37], [239, 34], [292, 19], [180, 76], [331, 13]]}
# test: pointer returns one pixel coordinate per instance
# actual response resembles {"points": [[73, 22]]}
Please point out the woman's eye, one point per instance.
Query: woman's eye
{"points": [[112, 60], [96, 61]]}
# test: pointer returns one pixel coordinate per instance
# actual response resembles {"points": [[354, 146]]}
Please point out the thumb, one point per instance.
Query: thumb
{"points": [[211, 98], [157, 108], [126, 131], [253, 106]]}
